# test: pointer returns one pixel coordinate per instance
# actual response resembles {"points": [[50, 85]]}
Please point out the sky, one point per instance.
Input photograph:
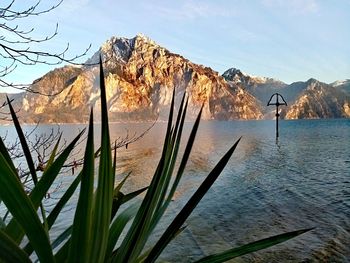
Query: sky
{"points": [[289, 40]]}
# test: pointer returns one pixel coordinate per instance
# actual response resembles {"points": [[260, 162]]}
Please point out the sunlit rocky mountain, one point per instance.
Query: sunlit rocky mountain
{"points": [[318, 100], [311, 99], [140, 78]]}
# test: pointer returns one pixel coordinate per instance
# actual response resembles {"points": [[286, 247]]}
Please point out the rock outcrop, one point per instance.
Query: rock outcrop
{"points": [[319, 100], [306, 100], [140, 79], [259, 87]]}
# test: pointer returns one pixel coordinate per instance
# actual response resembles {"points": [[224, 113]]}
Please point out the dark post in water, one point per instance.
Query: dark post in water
{"points": [[277, 104]]}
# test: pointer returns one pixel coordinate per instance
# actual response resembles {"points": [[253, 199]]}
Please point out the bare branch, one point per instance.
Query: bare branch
{"points": [[17, 43], [10, 14]]}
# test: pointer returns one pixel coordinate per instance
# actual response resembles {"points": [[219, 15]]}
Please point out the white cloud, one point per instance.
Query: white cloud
{"points": [[294, 6]]}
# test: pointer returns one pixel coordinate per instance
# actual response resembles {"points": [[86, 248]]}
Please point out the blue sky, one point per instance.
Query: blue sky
{"points": [[290, 40]]}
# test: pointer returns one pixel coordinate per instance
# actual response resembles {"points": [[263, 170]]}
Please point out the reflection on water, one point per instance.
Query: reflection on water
{"points": [[267, 188]]}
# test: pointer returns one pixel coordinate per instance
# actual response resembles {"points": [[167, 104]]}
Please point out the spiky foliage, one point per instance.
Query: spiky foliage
{"points": [[98, 221]]}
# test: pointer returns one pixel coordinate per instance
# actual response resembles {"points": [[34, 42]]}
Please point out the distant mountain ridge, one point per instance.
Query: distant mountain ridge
{"points": [[141, 76], [311, 99], [317, 100]]}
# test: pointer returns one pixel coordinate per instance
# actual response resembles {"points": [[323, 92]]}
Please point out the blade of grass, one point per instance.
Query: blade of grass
{"points": [[10, 252], [190, 205], [80, 240], [104, 191], [14, 196], [251, 247]]}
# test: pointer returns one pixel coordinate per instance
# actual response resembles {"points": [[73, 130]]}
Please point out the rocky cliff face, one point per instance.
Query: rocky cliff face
{"points": [[306, 100], [343, 85], [140, 78], [259, 87], [319, 100]]}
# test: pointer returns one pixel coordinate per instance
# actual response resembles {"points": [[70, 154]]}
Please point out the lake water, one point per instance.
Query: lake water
{"points": [[267, 188]]}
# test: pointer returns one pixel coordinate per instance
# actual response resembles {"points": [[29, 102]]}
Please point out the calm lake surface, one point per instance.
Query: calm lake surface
{"points": [[267, 188]]}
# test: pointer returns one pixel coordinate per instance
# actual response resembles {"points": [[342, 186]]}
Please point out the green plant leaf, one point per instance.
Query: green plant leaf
{"points": [[62, 253], [27, 155], [9, 251], [118, 225], [104, 191], [2, 224], [57, 209], [114, 166], [23, 142], [51, 173], [127, 197], [40, 190], [62, 237], [14, 197], [171, 158], [189, 207], [121, 198], [146, 253], [80, 240], [182, 164], [120, 185], [5, 154], [139, 231], [251, 247], [51, 219], [53, 153]]}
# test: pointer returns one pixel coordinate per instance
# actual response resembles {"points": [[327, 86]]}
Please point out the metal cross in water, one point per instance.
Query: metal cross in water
{"points": [[277, 104]]}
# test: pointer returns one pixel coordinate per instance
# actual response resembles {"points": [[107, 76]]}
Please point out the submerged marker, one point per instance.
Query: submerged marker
{"points": [[277, 104]]}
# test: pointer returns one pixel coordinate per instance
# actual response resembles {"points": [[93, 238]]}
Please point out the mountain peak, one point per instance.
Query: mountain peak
{"points": [[235, 75], [140, 82], [314, 84], [145, 39], [119, 49], [116, 48], [312, 80], [339, 83]]}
